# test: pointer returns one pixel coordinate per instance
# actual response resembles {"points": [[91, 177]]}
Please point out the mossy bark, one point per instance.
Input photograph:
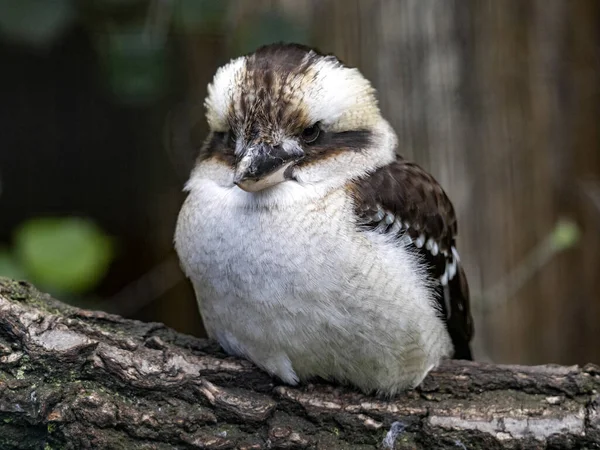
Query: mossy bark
{"points": [[74, 379]]}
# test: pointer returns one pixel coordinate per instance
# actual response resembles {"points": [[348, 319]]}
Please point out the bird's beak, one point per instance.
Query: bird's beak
{"points": [[263, 166]]}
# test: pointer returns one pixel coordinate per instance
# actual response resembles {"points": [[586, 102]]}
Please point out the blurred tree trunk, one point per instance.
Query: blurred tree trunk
{"points": [[580, 180]]}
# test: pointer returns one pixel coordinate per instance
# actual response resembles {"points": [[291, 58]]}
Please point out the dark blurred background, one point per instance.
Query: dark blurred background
{"points": [[500, 100]]}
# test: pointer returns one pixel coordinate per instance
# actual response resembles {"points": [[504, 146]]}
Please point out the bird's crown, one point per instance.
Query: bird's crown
{"points": [[288, 87]]}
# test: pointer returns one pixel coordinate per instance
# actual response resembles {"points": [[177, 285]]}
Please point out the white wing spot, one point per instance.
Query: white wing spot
{"points": [[455, 254], [420, 241], [396, 227], [378, 216], [429, 244], [451, 269], [444, 278]]}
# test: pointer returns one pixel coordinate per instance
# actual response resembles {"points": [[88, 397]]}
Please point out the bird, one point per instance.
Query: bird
{"points": [[314, 249]]}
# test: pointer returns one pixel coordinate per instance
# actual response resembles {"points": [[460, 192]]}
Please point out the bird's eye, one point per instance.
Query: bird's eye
{"points": [[310, 134]]}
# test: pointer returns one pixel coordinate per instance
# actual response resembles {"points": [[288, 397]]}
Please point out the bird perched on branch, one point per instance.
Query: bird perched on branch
{"points": [[312, 248]]}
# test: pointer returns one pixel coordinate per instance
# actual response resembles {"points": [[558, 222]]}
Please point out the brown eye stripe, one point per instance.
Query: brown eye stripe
{"points": [[330, 144], [218, 146]]}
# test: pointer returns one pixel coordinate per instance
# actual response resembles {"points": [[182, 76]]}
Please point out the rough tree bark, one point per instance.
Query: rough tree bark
{"points": [[72, 378]]}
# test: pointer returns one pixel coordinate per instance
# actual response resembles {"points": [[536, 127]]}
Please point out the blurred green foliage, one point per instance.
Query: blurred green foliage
{"points": [[131, 35], [9, 266], [135, 64], [35, 22], [134, 51], [63, 255], [565, 235]]}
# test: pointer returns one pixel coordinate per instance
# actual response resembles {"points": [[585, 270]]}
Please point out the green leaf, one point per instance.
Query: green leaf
{"points": [[10, 267], [35, 22], [70, 255], [565, 234]]}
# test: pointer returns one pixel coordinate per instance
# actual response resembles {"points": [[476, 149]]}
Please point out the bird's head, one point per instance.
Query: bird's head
{"points": [[287, 113]]}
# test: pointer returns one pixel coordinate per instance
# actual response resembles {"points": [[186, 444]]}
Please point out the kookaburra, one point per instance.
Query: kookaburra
{"points": [[313, 249]]}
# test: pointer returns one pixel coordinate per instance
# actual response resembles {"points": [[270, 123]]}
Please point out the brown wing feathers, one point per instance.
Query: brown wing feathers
{"points": [[403, 199]]}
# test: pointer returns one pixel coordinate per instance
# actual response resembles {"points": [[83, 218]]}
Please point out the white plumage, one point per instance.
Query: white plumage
{"points": [[301, 292]]}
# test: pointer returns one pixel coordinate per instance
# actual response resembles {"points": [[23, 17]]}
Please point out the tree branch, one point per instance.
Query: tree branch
{"points": [[72, 378]]}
